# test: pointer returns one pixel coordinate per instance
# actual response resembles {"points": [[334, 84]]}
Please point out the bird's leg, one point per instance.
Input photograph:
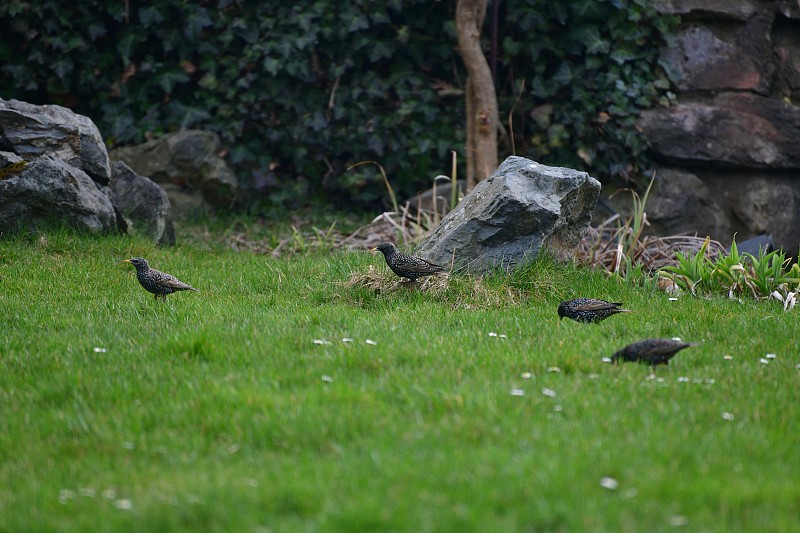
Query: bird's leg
{"points": [[409, 284]]}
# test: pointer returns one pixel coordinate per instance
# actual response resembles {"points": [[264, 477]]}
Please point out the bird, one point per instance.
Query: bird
{"points": [[589, 309], [155, 281], [651, 351], [404, 265]]}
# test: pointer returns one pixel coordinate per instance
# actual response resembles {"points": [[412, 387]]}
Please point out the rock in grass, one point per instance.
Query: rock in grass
{"points": [[48, 190], [508, 218], [143, 204]]}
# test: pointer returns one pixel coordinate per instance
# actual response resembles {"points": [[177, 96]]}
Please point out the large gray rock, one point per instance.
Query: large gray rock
{"points": [[35, 130], [508, 218], [50, 190], [143, 205], [185, 162], [733, 129]]}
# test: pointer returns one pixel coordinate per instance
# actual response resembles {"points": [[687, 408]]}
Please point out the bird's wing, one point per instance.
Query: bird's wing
{"points": [[665, 348], [178, 284], [597, 305], [417, 264], [168, 280]]}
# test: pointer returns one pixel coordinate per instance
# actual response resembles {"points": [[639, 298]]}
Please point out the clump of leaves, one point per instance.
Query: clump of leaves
{"points": [[735, 274], [693, 271]]}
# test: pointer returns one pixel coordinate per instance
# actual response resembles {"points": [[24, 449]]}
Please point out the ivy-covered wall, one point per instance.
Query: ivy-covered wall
{"points": [[299, 91]]}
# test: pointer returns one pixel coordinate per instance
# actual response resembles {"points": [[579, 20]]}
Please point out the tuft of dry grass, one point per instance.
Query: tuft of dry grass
{"points": [[463, 291], [381, 280], [602, 247]]}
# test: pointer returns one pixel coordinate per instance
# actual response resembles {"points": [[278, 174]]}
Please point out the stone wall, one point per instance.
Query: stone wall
{"points": [[728, 151]]}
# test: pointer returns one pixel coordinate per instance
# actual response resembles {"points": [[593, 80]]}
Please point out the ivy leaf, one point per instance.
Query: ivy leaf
{"points": [[125, 47], [511, 47], [187, 116], [380, 50], [271, 65], [564, 74], [240, 153], [169, 79], [586, 9], [97, 29], [15, 8], [62, 67], [195, 22], [622, 55], [595, 44], [354, 22], [538, 89], [318, 122], [284, 48], [150, 16], [305, 21], [120, 126]]}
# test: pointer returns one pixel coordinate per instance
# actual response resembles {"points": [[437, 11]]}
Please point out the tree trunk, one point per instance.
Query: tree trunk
{"points": [[481, 107]]}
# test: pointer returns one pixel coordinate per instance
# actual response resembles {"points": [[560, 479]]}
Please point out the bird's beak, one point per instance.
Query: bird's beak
{"points": [[373, 249], [126, 260]]}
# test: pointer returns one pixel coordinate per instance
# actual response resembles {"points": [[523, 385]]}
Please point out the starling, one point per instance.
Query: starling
{"points": [[589, 309], [159, 283], [651, 351], [404, 265]]}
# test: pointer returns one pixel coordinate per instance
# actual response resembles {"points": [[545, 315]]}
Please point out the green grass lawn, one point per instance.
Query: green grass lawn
{"points": [[216, 411]]}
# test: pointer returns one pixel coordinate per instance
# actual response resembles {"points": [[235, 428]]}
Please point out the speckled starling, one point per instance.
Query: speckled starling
{"points": [[157, 282], [589, 309], [404, 265], [651, 351]]}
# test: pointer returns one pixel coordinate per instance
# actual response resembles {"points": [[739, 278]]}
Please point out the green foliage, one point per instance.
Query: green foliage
{"points": [[694, 271], [768, 273], [728, 271], [301, 91], [636, 274], [735, 274], [594, 67]]}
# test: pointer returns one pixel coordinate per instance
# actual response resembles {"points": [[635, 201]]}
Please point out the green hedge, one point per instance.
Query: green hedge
{"points": [[300, 92]]}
